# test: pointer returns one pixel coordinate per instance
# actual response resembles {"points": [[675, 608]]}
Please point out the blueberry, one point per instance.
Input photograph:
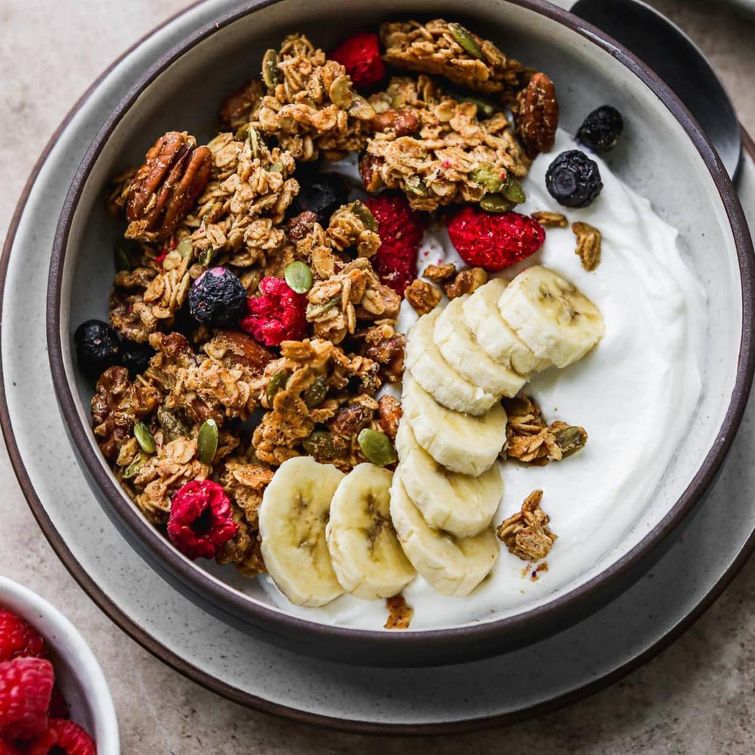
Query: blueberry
{"points": [[97, 347], [601, 129], [217, 298], [321, 193], [135, 356], [573, 179]]}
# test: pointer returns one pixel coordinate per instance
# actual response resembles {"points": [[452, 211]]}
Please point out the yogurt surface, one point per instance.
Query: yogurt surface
{"points": [[635, 394]]}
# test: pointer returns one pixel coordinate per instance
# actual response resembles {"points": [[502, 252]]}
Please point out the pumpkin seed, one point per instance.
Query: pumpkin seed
{"points": [[320, 445], [205, 259], [340, 91], [277, 166], [170, 424], [361, 210], [416, 186], [489, 177], [277, 381], [513, 191], [133, 468], [317, 310], [270, 72], [144, 438], [241, 134], [122, 262], [254, 141], [207, 441], [316, 392], [495, 203], [185, 248], [465, 40], [298, 276], [377, 447], [570, 440]]}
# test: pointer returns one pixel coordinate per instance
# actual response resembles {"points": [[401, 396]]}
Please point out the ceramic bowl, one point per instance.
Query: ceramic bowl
{"points": [[77, 672], [671, 163]]}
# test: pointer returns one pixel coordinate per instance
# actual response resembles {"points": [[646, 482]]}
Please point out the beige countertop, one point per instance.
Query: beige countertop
{"points": [[696, 697]]}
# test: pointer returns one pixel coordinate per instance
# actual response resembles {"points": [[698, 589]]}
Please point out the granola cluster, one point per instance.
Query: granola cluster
{"points": [[526, 534]]}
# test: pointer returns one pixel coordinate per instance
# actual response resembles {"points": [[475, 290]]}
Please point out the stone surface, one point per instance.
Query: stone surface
{"points": [[694, 698]]}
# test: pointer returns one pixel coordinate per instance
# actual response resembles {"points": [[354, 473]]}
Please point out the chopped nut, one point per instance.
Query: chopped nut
{"points": [[399, 613], [530, 441], [550, 219], [537, 115], [389, 415], [301, 225], [423, 296], [385, 346], [588, 244], [526, 533], [402, 122], [466, 281], [439, 273]]}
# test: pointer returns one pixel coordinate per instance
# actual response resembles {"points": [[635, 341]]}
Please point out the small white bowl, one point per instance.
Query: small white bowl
{"points": [[77, 672]]}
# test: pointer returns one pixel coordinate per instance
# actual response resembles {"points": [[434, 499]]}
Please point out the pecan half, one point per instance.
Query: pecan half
{"points": [[163, 191], [423, 296], [403, 122], [588, 244], [537, 115]]}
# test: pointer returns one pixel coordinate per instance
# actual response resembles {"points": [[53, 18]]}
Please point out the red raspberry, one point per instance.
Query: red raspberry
{"points": [[278, 314], [62, 738], [7, 748], [360, 56], [25, 689], [17, 638], [400, 230], [200, 519], [492, 241]]}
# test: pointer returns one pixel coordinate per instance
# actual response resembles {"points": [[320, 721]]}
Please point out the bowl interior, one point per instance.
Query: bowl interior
{"points": [[77, 672], [657, 159]]}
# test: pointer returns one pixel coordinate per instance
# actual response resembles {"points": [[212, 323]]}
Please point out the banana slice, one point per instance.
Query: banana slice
{"points": [[494, 336], [458, 347], [452, 566], [433, 373], [293, 515], [364, 550], [459, 504], [551, 316], [460, 442]]}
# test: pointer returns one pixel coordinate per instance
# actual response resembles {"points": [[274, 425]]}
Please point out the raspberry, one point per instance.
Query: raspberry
{"points": [[25, 689], [62, 738], [7, 748], [400, 230], [494, 241], [200, 519], [360, 56], [17, 638], [276, 315]]}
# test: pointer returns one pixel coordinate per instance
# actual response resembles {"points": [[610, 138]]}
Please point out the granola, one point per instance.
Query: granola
{"points": [[588, 244], [526, 533], [399, 613]]}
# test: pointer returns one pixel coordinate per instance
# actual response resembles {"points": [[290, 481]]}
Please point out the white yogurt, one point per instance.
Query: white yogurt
{"points": [[635, 394]]}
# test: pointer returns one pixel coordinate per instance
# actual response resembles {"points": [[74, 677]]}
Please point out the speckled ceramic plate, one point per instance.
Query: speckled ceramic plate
{"points": [[589, 655]]}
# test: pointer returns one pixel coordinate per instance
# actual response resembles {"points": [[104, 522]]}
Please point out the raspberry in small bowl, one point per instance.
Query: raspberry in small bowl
{"points": [[53, 693]]}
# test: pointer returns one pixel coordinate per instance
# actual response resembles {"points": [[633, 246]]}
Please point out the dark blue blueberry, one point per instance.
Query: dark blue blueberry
{"points": [[135, 356], [601, 129], [573, 179], [321, 193], [97, 347], [217, 298]]}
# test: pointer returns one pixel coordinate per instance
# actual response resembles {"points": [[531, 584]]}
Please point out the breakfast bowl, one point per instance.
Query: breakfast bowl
{"points": [[78, 675], [662, 156]]}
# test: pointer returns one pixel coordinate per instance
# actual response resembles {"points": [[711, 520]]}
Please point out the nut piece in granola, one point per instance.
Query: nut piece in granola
{"points": [[399, 613], [164, 189], [439, 273], [588, 244], [530, 441], [423, 296], [526, 533], [537, 115], [450, 50], [466, 281], [550, 219]]}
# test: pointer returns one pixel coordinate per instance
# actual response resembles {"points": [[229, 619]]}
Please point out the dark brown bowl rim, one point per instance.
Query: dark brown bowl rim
{"points": [[697, 486]]}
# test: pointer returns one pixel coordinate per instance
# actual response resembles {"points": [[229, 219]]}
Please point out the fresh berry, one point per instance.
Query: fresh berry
{"points": [[58, 704], [573, 179], [97, 347], [200, 519], [321, 193], [62, 738], [7, 748], [135, 356], [360, 56], [25, 690], [400, 230], [278, 314], [601, 129], [217, 298], [494, 241], [17, 638]]}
